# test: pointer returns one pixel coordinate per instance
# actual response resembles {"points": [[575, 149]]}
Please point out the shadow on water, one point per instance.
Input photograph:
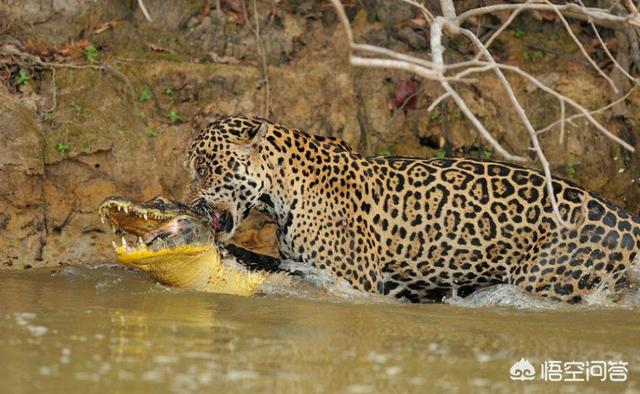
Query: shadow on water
{"points": [[109, 329]]}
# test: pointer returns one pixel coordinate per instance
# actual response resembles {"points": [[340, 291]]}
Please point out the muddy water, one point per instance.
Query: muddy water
{"points": [[107, 329]]}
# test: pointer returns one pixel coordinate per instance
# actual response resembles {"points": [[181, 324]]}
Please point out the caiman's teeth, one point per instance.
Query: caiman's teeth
{"points": [[102, 219], [113, 243], [140, 243], [114, 229], [126, 210], [145, 216], [124, 242], [119, 208]]}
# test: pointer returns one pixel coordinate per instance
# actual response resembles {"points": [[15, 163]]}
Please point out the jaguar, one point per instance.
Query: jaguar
{"points": [[416, 229]]}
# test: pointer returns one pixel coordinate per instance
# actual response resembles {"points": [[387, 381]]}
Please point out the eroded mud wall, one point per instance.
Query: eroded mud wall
{"points": [[121, 126]]}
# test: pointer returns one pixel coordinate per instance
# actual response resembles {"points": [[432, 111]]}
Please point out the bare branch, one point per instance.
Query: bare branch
{"points": [[437, 70], [433, 70], [395, 64], [579, 44], [504, 26], [606, 49], [562, 121], [581, 115], [437, 101], [438, 60], [525, 120], [448, 9], [144, 10], [392, 54], [584, 112], [598, 15], [263, 57], [427, 14]]}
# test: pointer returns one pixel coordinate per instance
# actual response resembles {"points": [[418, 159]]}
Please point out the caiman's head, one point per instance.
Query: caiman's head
{"points": [[174, 243]]}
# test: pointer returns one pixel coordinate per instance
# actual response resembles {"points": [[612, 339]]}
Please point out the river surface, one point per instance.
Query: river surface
{"points": [[108, 329]]}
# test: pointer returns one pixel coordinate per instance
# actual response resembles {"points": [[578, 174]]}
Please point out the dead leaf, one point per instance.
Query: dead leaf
{"points": [[206, 11], [37, 48], [223, 59], [101, 28], [549, 16], [71, 50], [158, 48], [83, 43], [405, 95], [233, 9], [231, 5]]}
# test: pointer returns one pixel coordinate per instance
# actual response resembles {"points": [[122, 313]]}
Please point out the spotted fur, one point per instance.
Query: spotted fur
{"points": [[412, 228]]}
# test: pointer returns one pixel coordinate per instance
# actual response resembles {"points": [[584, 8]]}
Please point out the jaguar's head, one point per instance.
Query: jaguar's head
{"points": [[228, 171]]}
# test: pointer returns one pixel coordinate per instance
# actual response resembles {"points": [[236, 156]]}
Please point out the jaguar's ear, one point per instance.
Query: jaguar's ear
{"points": [[257, 134]]}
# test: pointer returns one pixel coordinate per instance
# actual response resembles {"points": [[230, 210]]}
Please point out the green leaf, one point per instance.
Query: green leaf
{"points": [[151, 133], [145, 94], [63, 148], [23, 77], [519, 32], [76, 107], [92, 54], [173, 116]]}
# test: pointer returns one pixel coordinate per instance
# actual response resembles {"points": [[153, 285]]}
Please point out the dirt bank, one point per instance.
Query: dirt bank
{"points": [[119, 123]]}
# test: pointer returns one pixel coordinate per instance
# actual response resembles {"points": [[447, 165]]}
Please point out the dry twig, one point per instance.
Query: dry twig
{"points": [[263, 57], [29, 59], [606, 49], [436, 69], [144, 10]]}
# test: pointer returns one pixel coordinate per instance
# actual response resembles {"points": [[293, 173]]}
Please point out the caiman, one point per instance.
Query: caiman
{"points": [[175, 245]]}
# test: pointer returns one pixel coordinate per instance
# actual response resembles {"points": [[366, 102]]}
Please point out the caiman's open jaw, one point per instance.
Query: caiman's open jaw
{"points": [[158, 227]]}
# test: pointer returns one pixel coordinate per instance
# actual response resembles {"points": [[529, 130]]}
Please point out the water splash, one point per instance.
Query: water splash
{"points": [[515, 297], [315, 284], [503, 295]]}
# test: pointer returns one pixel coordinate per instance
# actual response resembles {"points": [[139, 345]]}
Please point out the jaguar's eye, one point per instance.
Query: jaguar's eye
{"points": [[202, 171]]}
